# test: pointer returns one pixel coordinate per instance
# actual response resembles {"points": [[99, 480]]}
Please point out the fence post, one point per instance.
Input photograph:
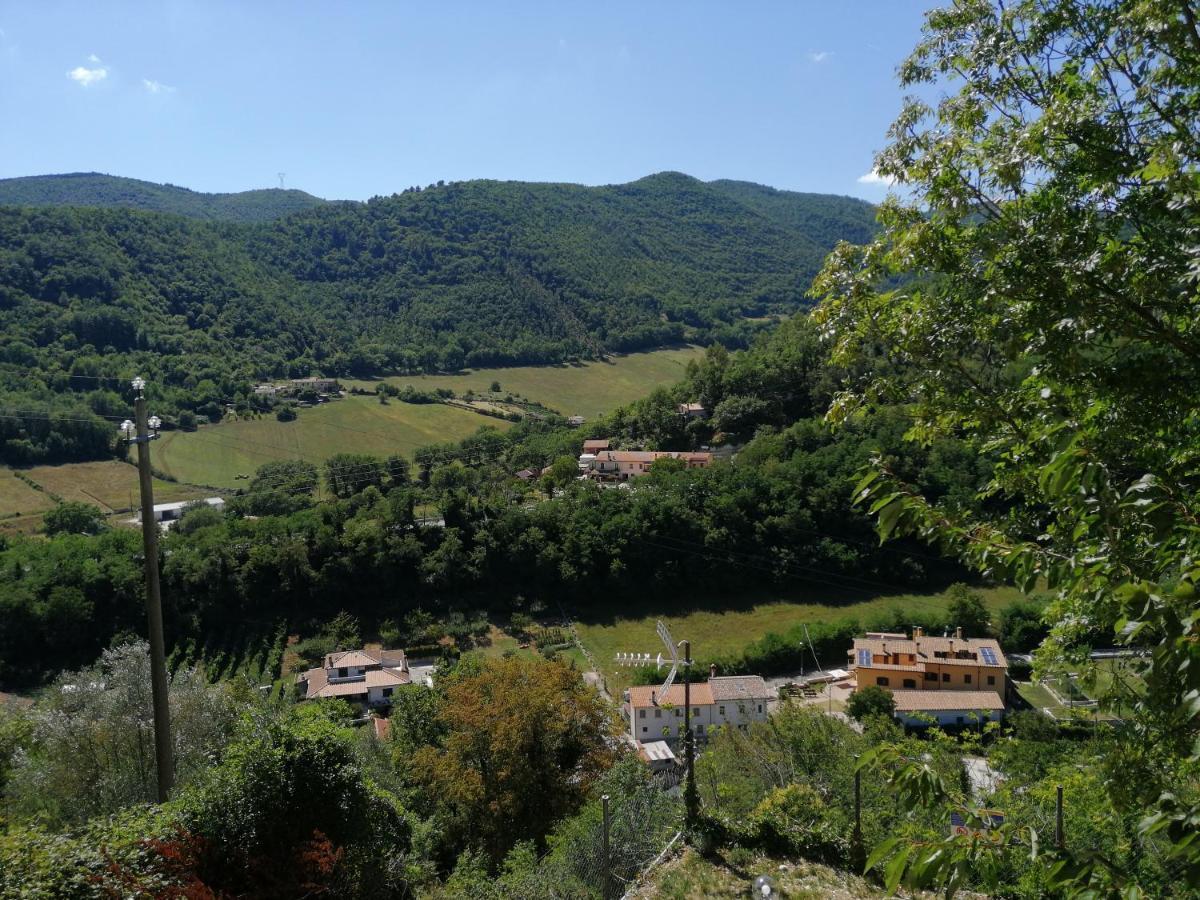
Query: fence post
{"points": [[606, 884], [1058, 817], [858, 856]]}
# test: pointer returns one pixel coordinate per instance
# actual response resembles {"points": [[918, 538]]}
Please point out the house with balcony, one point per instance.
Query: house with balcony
{"points": [[951, 680], [366, 677]]}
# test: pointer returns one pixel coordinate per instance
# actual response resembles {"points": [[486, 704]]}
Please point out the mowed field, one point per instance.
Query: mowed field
{"points": [[216, 454], [589, 389], [716, 631], [106, 484]]}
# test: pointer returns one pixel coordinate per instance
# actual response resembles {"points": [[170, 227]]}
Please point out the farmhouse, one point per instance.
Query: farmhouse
{"points": [[728, 700], [369, 677], [596, 445], [621, 465], [947, 679], [320, 385], [692, 410]]}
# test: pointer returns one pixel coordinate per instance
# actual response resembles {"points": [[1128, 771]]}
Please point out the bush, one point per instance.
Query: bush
{"points": [[871, 700], [797, 820], [73, 517], [285, 414]]}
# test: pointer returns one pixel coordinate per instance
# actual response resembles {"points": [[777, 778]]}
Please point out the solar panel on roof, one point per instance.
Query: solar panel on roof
{"points": [[864, 657], [988, 654]]}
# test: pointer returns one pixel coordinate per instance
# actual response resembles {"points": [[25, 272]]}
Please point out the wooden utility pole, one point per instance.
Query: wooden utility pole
{"points": [[606, 889], [163, 751]]}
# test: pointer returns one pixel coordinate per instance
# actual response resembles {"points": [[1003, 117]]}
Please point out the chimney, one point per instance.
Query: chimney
{"points": [[653, 699], [918, 632], [712, 670], [958, 632]]}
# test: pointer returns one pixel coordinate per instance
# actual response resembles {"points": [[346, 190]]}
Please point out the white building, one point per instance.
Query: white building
{"points": [[728, 700], [369, 677], [167, 513], [952, 708]]}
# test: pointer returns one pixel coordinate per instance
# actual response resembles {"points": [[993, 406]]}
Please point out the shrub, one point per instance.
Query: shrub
{"points": [[871, 700]]}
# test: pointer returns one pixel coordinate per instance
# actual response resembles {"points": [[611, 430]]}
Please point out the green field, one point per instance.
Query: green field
{"points": [[716, 631], [588, 389], [107, 484], [217, 454], [17, 498]]}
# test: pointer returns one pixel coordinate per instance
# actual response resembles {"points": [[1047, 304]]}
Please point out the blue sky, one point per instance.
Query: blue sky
{"points": [[356, 99]]}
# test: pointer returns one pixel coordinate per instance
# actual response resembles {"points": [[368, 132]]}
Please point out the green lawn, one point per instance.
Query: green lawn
{"points": [[589, 389], [217, 454], [718, 630]]}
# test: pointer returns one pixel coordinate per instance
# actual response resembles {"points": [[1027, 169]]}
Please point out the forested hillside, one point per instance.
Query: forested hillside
{"points": [[94, 189], [468, 274]]}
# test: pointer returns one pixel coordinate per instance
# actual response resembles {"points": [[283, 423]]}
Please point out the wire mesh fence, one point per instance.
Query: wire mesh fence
{"points": [[592, 862]]}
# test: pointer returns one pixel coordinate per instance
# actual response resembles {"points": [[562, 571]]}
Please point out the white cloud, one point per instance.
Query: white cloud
{"points": [[157, 87], [873, 177], [819, 56], [87, 77], [93, 58]]}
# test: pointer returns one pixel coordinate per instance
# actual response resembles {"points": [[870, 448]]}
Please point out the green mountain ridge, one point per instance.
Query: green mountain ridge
{"points": [[466, 274], [95, 189]]}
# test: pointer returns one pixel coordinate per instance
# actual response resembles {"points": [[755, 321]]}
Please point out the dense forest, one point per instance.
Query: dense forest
{"points": [[468, 274], [94, 189]]}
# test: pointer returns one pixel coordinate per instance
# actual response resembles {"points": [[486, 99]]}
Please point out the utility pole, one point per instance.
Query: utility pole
{"points": [[690, 796], [858, 855], [142, 433]]}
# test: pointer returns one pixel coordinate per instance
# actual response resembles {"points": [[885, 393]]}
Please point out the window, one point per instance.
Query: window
{"points": [[342, 672], [641, 714], [931, 676], [658, 714], [945, 676], [966, 679], [678, 712], [721, 709], [910, 682], [881, 680], [387, 692], [644, 729], [699, 729], [760, 707], [958, 720], [991, 679]]}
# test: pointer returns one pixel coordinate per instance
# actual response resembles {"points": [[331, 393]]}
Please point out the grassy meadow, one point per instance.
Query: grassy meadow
{"points": [[107, 484], [216, 454], [716, 630], [588, 389]]}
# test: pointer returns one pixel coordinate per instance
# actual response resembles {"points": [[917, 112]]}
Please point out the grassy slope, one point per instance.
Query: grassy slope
{"points": [[716, 631], [108, 484], [691, 876], [215, 455], [589, 389]]}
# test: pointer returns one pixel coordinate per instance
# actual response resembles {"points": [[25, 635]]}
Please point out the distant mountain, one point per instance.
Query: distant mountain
{"points": [[474, 273], [93, 189]]}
